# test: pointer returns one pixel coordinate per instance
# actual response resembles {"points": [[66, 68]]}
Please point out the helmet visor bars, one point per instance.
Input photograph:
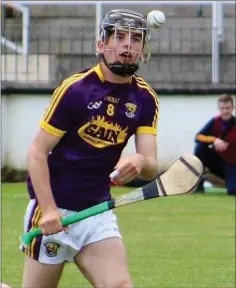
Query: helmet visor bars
{"points": [[139, 52]]}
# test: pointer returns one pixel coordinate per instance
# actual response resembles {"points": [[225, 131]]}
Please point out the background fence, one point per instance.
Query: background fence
{"points": [[43, 44], [62, 40]]}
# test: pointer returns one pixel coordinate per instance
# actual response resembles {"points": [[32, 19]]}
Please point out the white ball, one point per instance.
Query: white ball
{"points": [[156, 19]]}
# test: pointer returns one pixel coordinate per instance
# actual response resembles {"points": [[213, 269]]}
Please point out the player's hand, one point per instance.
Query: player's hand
{"points": [[50, 223], [220, 145], [129, 168]]}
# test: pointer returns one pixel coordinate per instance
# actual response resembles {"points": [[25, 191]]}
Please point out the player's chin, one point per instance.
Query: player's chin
{"points": [[226, 117]]}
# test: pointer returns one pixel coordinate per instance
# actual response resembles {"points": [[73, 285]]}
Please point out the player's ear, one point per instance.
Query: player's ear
{"points": [[100, 46]]}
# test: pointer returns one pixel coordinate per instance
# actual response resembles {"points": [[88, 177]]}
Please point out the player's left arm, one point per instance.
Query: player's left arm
{"points": [[146, 134], [144, 162], [146, 147]]}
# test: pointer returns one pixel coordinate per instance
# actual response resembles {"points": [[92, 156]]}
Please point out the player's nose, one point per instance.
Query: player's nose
{"points": [[127, 43]]}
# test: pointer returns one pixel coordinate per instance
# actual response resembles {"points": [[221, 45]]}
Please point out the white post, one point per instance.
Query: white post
{"points": [[25, 31], [215, 44], [98, 18], [220, 18]]}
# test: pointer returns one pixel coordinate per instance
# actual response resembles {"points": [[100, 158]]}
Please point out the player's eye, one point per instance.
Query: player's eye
{"points": [[136, 39], [119, 37]]}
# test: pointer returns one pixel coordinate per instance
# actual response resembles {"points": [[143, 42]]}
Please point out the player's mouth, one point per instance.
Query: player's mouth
{"points": [[125, 56]]}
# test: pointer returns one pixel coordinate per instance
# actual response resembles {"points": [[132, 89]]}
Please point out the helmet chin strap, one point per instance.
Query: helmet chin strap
{"points": [[119, 68]]}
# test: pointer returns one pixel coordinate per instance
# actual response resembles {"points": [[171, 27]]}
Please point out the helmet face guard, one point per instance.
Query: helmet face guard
{"points": [[129, 22]]}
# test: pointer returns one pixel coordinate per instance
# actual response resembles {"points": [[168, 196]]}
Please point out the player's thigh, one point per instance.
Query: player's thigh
{"points": [[104, 263], [40, 275], [216, 165]]}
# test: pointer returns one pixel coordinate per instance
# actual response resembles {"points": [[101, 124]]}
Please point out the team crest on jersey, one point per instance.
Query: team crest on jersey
{"points": [[101, 133], [51, 249], [130, 110]]}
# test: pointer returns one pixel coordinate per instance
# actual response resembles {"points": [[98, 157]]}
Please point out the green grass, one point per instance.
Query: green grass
{"points": [[185, 241]]}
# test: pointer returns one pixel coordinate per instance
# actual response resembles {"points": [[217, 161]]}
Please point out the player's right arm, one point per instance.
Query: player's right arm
{"points": [[56, 120], [38, 152], [205, 134]]}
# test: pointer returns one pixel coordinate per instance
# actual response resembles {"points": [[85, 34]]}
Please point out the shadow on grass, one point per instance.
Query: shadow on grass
{"points": [[220, 192]]}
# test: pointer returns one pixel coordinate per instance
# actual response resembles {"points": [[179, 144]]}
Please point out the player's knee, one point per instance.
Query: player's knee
{"points": [[122, 282], [125, 283]]}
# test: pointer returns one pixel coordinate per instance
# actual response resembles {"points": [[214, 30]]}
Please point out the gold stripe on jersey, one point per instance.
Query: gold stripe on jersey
{"points": [[51, 130], [142, 84], [27, 250], [53, 98], [60, 91], [154, 122], [98, 71], [34, 218], [146, 130], [148, 87], [37, 219], [32, 246]]}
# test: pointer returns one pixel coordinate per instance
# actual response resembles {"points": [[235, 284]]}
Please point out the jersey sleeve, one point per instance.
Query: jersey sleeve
{"points": [[149, 115], [205, 134], [60, 113]]}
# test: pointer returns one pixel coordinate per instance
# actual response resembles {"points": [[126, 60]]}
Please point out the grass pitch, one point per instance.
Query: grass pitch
{"points": [[184, 241]]}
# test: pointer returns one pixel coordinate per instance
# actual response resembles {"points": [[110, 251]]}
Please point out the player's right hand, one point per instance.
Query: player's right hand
{"points": [[50, 223], [220, 145]]}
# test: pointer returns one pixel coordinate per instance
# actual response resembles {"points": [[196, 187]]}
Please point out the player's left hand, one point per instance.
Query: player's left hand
{"points": [[129, 168]]}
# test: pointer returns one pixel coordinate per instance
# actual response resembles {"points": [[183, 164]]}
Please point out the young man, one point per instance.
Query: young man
{"points": [[88, 122], [216, 144]]}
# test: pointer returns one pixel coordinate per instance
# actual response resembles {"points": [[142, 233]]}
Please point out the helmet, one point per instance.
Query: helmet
{"points": [[130, 21]]}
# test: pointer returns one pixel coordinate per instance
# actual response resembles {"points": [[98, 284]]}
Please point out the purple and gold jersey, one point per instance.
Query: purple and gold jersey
{"points": [[95, 119]]}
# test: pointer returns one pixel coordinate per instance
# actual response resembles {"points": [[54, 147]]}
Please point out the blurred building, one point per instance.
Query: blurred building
{"points": [[63, 39]]}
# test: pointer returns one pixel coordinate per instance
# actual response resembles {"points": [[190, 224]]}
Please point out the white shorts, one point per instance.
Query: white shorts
{"points": [[62, 247]]}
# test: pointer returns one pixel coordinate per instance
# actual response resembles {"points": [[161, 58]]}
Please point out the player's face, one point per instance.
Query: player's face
{"points": [[226, 110], [125, 47]]}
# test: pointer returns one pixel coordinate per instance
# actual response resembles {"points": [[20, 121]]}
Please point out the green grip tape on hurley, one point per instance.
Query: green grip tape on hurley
{"points": [[27, 238]]}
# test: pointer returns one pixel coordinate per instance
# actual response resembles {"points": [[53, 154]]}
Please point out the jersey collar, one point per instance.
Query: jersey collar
{"points": [[98, 71]]}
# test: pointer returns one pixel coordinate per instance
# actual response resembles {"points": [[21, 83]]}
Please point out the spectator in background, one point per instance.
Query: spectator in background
{"points": [[216, 145]]}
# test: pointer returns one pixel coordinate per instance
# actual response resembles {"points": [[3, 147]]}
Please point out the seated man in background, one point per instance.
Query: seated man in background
{"points": [[216, 145]]}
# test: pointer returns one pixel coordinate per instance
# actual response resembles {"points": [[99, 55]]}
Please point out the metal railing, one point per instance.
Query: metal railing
{"points": [[204, 55], [179, 55], [14, 46]]}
